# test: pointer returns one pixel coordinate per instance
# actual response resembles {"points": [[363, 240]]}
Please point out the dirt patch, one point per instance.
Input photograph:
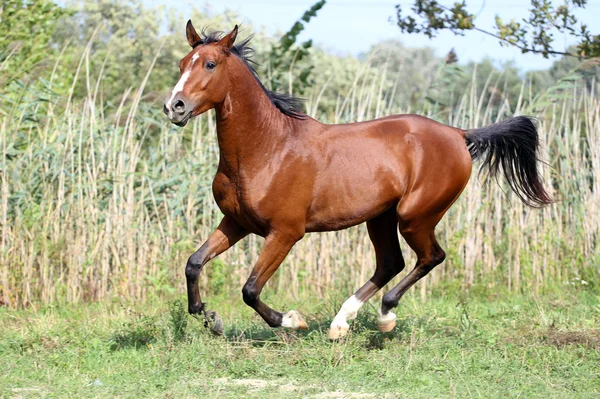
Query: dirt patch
{"points": [[524, 336], [587, 338], [23, 393], [49, 343], [250, 383], [343, 395], [287, 387]]}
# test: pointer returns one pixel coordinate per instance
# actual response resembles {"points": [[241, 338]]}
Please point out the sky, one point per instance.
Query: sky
{"points": [[352, 26]]}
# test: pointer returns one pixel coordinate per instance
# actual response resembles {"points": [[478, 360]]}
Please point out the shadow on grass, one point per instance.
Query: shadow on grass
{"points": [[140, 331], [137, 333], [363, 330]]}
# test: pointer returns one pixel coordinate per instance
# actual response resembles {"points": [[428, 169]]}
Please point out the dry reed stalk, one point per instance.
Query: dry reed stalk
{"points": [[100, 207]]}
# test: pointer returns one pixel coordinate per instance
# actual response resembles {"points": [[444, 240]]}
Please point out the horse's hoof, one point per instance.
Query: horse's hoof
{"points": [[292, 319], [217, 327], [337, 333], [386, 323], [338, 330], [214, 321], [386, 326]]}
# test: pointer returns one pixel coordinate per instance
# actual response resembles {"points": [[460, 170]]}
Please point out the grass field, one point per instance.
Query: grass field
{"points": [[484, 345]]}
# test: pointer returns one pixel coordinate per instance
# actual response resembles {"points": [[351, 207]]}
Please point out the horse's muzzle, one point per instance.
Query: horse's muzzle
{"points": [[177, 110]]}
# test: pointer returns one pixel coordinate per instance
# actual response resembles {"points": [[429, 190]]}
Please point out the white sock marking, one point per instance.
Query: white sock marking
{"points": [[347, 312], [390, 316], [286, 321], [292, 319]]}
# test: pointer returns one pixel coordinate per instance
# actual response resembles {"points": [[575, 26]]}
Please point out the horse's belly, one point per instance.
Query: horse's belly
{"points": [[343, 208]]}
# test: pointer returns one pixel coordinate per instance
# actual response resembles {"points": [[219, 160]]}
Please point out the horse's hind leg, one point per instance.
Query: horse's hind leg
{"points": [[421, 238], [383, 234]]}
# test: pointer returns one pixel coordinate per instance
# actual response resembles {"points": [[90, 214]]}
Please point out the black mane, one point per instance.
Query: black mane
{"points": [[288, 105]]}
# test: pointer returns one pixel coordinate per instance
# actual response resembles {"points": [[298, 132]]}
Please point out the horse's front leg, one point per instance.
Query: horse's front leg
{"points": [[224, 237], [277, 246]]}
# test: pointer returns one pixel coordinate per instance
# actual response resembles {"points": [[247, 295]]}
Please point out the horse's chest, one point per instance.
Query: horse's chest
{"points": [[235, 202]]}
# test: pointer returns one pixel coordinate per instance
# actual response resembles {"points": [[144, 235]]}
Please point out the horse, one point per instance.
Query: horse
{"points": [[282, 174]]}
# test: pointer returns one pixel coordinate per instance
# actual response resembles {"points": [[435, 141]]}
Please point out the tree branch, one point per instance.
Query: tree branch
{"points": [[530, 50]]}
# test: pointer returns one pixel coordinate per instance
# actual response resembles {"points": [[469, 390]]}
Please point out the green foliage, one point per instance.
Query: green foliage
{"points": [[179, 319], [124, 39], [587, 70], [160, 284], [420, 64], [26, 31], [435, 17], [533, 34], [138, 332], [287, 58], [218, 275]]}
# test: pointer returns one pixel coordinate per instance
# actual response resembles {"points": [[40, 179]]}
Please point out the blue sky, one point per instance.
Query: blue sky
{"points": [[352, 26]]}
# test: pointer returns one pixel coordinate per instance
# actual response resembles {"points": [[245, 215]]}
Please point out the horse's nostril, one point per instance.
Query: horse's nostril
{"points": [[165, 110], [179, 106]]}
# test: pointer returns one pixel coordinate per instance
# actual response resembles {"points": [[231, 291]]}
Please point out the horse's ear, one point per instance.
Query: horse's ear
{"points": [[229, 39], [192, 36]]}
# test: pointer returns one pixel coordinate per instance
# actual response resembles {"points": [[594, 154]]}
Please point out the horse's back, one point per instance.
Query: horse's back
{"points": [[404, 135], [367, 167]]}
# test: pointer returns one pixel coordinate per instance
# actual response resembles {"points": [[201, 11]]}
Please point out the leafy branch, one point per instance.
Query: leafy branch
{"points": [[286, 55], [533, 34]]}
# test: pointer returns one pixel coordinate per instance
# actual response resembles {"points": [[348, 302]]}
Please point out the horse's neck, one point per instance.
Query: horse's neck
{"points": [[248, 124]]}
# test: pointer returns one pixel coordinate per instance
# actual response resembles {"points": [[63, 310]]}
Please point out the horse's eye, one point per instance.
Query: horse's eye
{"points": [[210, 65]]}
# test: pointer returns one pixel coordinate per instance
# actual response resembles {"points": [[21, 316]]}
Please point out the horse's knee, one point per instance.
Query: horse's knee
{"points": [[192, 269], [194, 265], [434, 259], [250, 294]]}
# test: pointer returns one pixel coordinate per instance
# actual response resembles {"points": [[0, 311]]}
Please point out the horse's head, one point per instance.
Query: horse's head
{"points": [[203, 80]]}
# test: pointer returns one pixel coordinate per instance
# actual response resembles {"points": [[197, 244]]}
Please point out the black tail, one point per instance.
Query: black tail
{"points": [[512, 144]]}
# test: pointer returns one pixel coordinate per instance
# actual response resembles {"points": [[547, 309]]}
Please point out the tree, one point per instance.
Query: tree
{"points": [[26, 29], [534, 34], [286, 56]]}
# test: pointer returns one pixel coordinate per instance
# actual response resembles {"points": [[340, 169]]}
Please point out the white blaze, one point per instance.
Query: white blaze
{"points": [[181, 83]]}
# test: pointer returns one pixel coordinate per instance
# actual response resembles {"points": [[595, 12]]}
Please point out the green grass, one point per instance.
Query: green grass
{"points": [[450, 346]]}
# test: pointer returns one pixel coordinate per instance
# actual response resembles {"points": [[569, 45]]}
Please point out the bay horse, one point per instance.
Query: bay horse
{"points": [[283, 174]]}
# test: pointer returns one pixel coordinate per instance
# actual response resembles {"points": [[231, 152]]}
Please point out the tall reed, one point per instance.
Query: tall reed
{"points": [[98, 201]]}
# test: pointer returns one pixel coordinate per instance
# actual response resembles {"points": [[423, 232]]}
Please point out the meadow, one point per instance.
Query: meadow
{"points": [[452, 346], [102, 201]]}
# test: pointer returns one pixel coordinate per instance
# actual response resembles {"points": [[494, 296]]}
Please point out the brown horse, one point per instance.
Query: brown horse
{"points": [[282, 174]]}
